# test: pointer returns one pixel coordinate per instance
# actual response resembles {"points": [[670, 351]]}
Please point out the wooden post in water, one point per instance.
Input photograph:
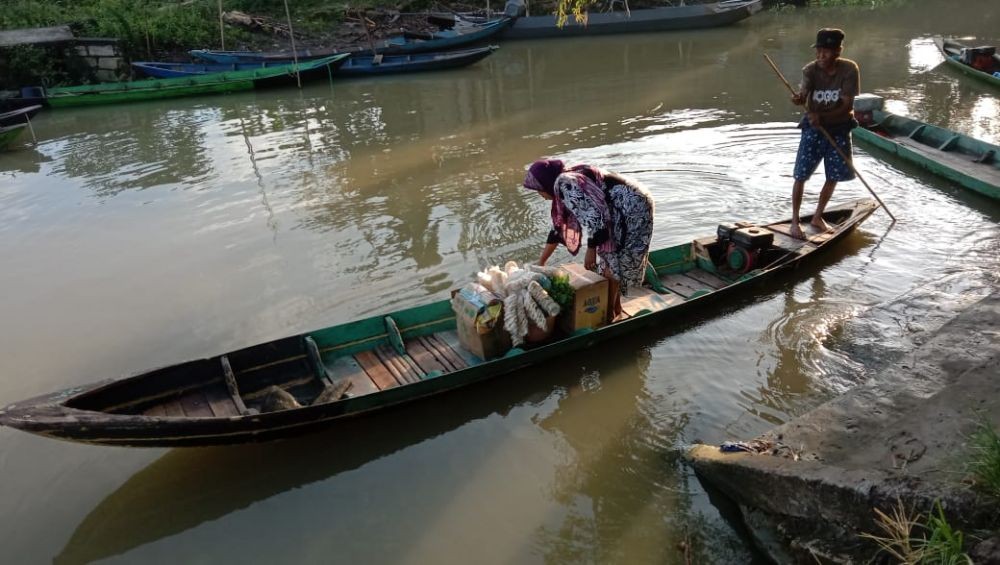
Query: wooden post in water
{"points": [[291, 35], [222, 29]]}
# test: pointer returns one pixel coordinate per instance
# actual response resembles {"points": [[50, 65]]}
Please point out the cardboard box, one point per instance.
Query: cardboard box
{"points": [[479, 322], [590, 303]]}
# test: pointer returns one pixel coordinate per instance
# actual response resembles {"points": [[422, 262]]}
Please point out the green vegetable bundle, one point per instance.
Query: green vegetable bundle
{"points": [[561, 291]]}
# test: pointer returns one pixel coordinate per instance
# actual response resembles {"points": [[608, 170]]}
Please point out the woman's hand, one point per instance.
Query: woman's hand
{"points": [[546, 253], [590, 259]]}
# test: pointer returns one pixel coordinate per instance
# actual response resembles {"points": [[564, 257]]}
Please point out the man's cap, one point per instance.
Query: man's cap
{"points": [[830, 38]]}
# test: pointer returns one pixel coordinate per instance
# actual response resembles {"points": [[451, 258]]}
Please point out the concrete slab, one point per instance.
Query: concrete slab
{"points": [[902, 437]]}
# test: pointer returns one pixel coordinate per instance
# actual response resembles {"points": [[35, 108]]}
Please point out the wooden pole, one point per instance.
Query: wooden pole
{"points": [[291, 35], [826, 134], [222, 28]]}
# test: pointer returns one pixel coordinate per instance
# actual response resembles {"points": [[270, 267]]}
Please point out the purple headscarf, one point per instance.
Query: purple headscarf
{"points": [[542, 177]]}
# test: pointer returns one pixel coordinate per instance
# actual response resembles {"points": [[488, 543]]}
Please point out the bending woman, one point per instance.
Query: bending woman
{"points": [[616, 213]]}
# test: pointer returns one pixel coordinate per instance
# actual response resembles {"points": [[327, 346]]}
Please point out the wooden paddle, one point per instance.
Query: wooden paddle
{"points": [[826, 134]]}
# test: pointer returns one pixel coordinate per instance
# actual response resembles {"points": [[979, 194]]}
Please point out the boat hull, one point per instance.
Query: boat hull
{"points": [[364, 65], [402, 46], [671, 18], [214, 83], [132, 408], [9, 135], [921, 144], [950, 50]]}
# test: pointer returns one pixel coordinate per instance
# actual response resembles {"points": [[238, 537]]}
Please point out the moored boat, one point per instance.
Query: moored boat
{"points": [[8, 134], [390, 359], [970, 162], [368, 65], [667, 18], [19, 116], [459, 36], [151, 89], [979, 62]]}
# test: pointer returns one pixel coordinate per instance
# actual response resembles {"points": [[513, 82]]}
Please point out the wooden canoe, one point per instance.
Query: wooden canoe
{"points": [[219, 400], [967, 161], [366, 64], [952, 56], [642, 20], [19, 116], [152, 89], [459, 36], [10, 133]]}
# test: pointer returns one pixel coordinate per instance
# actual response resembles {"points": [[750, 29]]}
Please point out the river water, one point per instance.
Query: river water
{"points": [[138, 236]]}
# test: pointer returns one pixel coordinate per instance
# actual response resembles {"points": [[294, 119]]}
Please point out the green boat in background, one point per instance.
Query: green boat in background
{"points": [[9, 134], [970, 162], [230, 81], [953, 55]]}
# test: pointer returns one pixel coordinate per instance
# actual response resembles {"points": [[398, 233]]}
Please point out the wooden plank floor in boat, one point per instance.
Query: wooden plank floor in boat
{"points": [[985, 172], [441, 353]]}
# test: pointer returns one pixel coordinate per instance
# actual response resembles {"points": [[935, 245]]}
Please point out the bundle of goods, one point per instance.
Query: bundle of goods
{"points": [[524, 297], [509, 298]]}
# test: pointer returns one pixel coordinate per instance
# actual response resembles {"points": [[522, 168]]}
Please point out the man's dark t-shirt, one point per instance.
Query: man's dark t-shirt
{"points": [[825, 91]]}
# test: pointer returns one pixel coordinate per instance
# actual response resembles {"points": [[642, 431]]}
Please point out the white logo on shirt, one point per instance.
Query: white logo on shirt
{"points": [[826, 96]]}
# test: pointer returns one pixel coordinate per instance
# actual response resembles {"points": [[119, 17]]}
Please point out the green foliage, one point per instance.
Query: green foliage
{"points": [[907, 539], [985, 461], [578, 9], [561, 291], [944, 545]]}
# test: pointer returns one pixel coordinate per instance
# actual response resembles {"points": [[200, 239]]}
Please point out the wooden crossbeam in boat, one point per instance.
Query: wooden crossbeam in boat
{"points": [[986, 157], [949, 143], [312, 351], [234, 390], [424, 358]]}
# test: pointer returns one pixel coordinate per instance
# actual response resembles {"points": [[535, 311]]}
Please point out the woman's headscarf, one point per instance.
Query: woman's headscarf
{"points": [[542, 177]]}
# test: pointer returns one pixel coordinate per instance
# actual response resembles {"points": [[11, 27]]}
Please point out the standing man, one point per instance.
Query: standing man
{"points": [[829, 85]]}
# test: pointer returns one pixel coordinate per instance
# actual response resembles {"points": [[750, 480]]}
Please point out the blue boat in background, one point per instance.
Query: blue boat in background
{"points": [[463, 34], [361, 64]]}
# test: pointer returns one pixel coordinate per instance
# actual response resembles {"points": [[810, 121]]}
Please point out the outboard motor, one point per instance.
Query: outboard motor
{"points": [[743, 243]]}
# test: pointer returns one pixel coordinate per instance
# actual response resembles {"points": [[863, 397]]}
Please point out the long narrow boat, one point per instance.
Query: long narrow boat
{"points": [[150, 89], [952, 51], [386, 359], [19, 116], [10, 133], [970, 162], [366, 65], [405, 44], [667, 18], [360, 64]]}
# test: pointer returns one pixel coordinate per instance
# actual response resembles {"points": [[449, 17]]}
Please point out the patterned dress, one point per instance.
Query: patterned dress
{"points": [[630, 208]]}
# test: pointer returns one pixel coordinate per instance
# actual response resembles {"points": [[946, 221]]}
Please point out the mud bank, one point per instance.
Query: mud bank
{"points": [[814, 486]]}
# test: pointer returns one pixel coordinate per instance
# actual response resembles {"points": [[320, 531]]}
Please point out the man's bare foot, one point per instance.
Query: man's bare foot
{"points": [[796, 231], [819, 223]]}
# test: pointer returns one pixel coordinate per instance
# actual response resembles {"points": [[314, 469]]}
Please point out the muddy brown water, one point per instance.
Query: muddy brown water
{"points": [[142, 235]]}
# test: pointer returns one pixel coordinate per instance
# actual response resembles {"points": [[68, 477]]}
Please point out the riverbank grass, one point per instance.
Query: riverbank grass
{"points": [[984, 463], [908, 539]]}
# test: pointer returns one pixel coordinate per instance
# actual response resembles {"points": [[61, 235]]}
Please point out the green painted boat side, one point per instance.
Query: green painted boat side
{"points": [[131, 411], [9, 134], [950, 49], [153, 89], [921, 143]]}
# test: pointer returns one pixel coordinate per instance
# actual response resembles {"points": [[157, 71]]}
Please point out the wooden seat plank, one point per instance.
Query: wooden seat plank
{"points": [[647, 299], [813, 234], [172, 409], [379, 374], [438, 355], [410, 372], [684, 286], [708, 278], [220, 402], [451, 338], [195, 405], [348, 368], [448, 352], [425, 359]]}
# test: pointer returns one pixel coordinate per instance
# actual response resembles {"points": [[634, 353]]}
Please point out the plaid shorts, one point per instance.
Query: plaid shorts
{"points": [[813, 148]]}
